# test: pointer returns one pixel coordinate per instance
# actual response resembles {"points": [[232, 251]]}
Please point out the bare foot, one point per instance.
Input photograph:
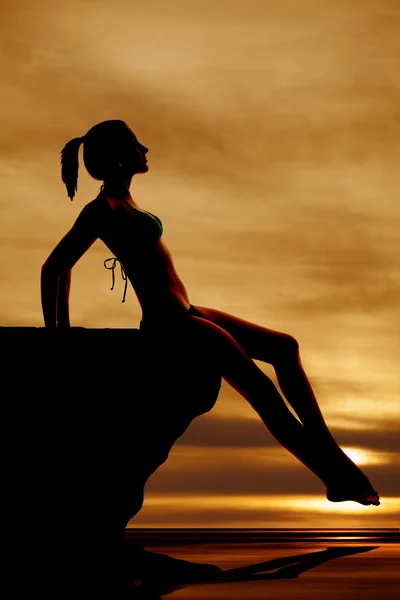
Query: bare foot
{"points": [[346, 481], [350, 483], [342, 494]]}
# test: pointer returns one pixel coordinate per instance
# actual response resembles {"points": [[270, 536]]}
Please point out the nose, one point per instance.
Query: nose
{"points": [[143, 149]]}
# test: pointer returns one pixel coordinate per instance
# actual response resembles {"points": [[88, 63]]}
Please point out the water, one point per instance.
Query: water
{"points": [[346, 564]]}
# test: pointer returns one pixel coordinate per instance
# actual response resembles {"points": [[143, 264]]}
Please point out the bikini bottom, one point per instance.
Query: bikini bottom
{"points": [[168, 324]]}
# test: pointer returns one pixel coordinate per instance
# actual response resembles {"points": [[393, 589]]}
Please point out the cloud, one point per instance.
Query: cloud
{"points": [[208, 431]]}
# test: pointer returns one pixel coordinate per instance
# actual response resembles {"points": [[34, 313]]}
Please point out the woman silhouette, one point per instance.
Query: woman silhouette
{"points": [[112, 154]]}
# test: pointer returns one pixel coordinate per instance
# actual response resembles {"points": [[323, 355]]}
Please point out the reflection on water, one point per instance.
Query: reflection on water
{"points": [[284, 564]]}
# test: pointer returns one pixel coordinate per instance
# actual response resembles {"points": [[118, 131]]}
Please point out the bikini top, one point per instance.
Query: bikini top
{"points": [[151, 228]]}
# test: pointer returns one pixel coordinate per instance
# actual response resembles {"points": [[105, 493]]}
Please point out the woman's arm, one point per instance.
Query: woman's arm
{"points": [[56, 271], [55, 297], [64, 285]]}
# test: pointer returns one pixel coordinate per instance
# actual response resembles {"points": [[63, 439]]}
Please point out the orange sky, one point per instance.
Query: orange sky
{"points": [[273, 129]]}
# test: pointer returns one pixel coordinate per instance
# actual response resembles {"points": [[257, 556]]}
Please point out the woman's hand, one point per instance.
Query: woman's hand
{"points": [[49, 293]]}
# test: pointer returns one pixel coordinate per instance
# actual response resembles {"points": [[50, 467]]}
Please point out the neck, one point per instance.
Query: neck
{"points": [[116, 189]]}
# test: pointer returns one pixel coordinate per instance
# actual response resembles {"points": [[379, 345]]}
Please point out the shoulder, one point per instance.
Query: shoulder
{"points": [[93, 212], [96, 206]]}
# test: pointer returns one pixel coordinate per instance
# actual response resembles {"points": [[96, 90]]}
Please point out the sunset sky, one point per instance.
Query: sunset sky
{"points": [[273, 129]]}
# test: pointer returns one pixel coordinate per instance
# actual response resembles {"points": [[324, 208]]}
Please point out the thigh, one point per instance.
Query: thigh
{"points": [[231, 359], [257, 341]]}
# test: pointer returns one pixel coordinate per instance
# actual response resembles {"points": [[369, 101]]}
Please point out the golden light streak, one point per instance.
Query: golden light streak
{"points": [[262, 511], [298, 502], [364, 456], [185, 456]]}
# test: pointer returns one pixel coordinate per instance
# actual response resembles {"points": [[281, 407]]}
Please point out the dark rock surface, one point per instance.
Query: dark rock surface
{"points": [[88, 415]]}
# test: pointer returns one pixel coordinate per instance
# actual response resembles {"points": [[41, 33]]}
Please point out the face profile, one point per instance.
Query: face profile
{"points": [[139, 162], [132, 152]]}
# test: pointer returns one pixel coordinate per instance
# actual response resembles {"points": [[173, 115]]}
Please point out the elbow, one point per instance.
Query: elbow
{"points": [[46, 268], [49, 270], [53, 267]]}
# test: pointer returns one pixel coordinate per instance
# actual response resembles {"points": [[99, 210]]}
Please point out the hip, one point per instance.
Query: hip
{"points": [[172, 321]]}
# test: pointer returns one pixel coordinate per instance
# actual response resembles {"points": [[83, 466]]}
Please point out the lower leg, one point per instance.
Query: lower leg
{"points": [[343, 479], [288, 431], [298, 392]]}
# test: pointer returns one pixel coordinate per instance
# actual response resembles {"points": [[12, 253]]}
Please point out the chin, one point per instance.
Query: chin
{"points": [[141, 169]]}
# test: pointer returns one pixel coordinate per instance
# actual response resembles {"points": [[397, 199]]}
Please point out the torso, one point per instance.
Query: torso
{"points": [[131, 237]]}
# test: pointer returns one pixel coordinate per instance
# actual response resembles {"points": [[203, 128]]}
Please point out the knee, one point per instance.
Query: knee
{"points": [[288, 347]]}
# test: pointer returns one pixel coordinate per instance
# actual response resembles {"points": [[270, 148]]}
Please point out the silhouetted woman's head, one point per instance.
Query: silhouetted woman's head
{"points": [[111, 154]]}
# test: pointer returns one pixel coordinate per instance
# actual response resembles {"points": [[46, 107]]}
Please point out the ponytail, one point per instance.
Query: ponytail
{"points": [[70, 165]]}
